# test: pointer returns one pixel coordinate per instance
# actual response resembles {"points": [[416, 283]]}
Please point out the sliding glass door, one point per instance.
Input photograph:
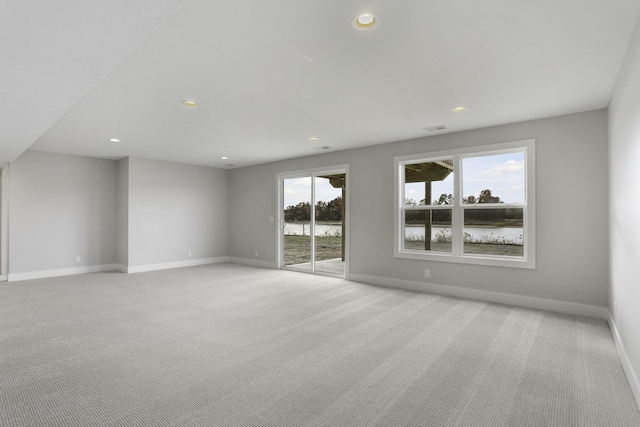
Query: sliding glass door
{"points": [[312, 228]]}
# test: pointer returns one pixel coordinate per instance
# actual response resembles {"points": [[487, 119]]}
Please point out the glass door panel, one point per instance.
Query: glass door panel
{"points": [[297, 223], [329, 223]]}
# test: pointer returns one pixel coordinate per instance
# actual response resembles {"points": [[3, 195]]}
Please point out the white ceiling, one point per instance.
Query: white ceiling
{"points": [[267, 75], [54, 52]]}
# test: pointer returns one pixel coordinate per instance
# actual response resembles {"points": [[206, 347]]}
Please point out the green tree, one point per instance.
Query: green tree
{"points": [[333, 210], [486, 197], [299, 212], [445, 199], [325, 211]]}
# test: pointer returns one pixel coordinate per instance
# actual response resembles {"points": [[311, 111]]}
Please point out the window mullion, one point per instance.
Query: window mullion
{"points": [[312, 223], [456, 212], [400, 231]]}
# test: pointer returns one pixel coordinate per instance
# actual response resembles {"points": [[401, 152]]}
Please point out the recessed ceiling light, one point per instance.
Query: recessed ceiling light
{"points": [[190, 103], [224, 158], [364, 21], [459, 109], [314, 138], [114, 140]]}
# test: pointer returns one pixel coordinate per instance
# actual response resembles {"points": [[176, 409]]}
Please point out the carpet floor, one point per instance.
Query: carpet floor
{"points": [[230, 345]]}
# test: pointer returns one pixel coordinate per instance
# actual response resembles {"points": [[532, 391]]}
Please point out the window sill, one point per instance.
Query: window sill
{"points": [[487, 260]]}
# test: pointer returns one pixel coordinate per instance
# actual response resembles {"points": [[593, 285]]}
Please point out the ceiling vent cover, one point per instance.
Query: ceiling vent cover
{"points": [[435, 128]]}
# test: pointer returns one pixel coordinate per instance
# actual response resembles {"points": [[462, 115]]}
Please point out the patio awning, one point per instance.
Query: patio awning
{"points": [[336, 181], [429, 171]]}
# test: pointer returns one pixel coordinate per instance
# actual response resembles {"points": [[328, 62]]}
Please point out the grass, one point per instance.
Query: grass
{"points": [[418, 245], [469, 248], [297, 249]]}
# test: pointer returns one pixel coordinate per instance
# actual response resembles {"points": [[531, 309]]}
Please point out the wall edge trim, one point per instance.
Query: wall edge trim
{"points": [[175, 264], [498, 297], [253, 262], [42, 274], [627, 367]]}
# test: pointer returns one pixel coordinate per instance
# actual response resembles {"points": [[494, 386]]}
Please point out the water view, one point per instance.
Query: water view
{"points": [[474, 234], [304, 229]]}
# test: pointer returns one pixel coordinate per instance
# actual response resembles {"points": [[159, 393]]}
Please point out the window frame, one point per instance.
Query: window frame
{"points": [[457, 209]]}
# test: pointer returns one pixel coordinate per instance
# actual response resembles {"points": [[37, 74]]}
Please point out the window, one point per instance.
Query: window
{"points": [[473, 206]]}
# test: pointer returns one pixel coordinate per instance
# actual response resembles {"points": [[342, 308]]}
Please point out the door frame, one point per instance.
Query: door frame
{"points": [[312, 173]]}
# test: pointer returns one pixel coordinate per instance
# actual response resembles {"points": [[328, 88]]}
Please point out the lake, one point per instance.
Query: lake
{"points": [[304, 228], [504, 235]]}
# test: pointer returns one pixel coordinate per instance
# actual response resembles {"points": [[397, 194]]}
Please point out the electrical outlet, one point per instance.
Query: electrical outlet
{"points": [[189, 253], [256, 253], [77, 259], [271, 219], [427, 273]]}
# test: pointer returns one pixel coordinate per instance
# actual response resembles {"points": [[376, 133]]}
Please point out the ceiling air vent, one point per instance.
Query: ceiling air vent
{"points": [[435, 128], [324, 147]]}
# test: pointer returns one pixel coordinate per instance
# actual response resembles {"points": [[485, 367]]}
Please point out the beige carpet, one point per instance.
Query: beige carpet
{"points": [[227, 345]]}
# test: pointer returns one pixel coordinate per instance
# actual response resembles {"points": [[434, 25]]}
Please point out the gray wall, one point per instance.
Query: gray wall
{"points": [[123, 212], [176, 208], [60, 207], [572, 185], [132, 212], [624, 144]]}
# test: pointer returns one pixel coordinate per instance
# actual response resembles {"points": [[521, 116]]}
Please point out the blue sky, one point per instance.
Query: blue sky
{"points": [[503, 174], [299, 190]]}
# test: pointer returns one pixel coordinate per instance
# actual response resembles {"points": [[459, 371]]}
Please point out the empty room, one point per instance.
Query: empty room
{"points": [[319, 213]]}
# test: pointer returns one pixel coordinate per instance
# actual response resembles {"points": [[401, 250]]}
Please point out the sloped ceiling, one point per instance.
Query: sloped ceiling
{"points": [[269, 75], [54, 53]]}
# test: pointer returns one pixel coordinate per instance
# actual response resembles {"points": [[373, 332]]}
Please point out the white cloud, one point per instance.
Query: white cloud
{"points": [[506, 168], [519, 187], [298, 190]]}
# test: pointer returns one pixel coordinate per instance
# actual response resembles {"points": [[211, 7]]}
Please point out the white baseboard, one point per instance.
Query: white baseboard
{"points": [[510, 299], [168, 265], [15, 277], [253, 262], [632, 377]]}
